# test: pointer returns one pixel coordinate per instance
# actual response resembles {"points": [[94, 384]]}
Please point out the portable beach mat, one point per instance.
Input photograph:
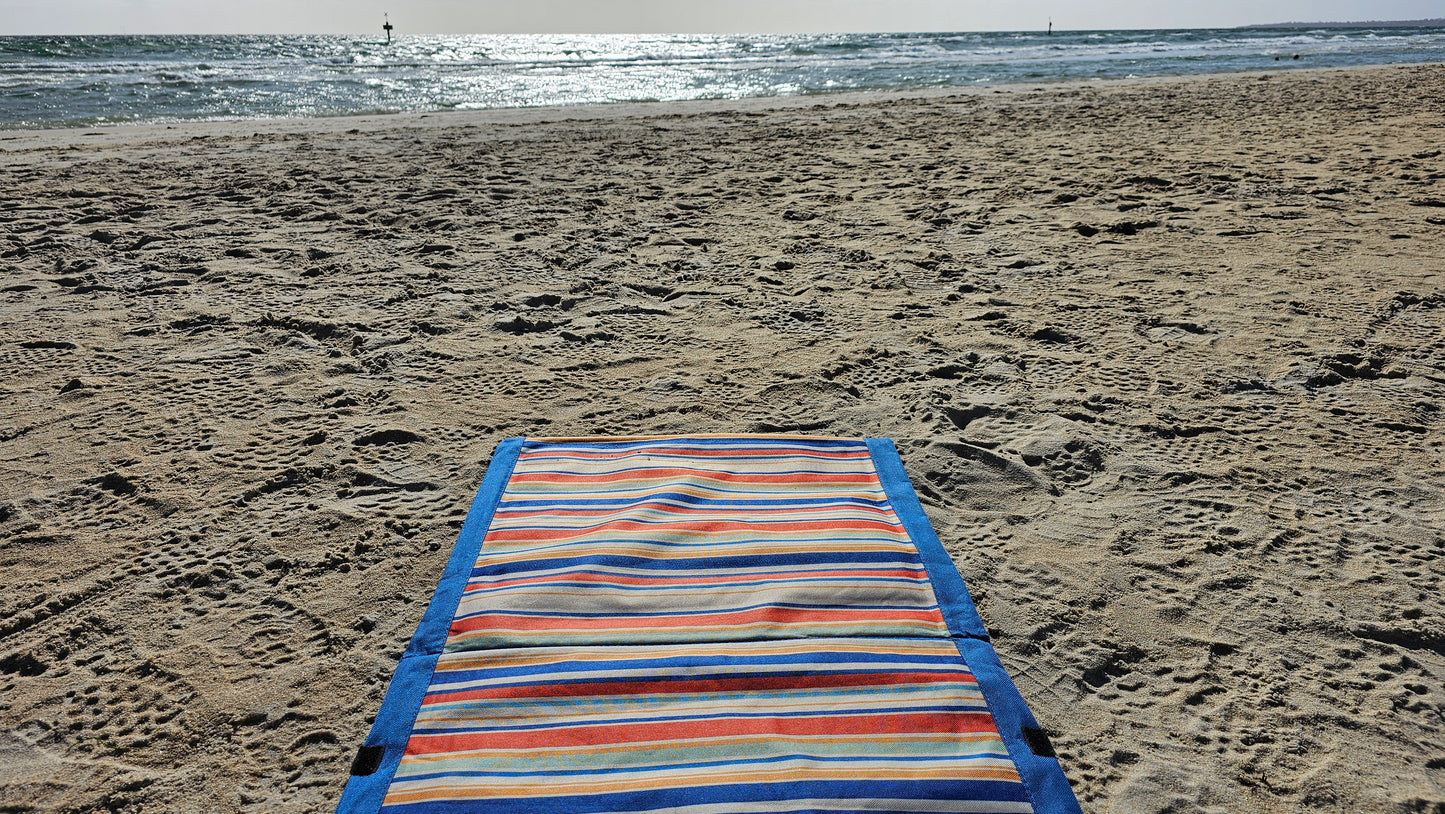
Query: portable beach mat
{"points": [[701, 625]]}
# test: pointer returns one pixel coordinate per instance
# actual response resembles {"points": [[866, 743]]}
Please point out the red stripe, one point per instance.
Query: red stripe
{"points": [[778, 616], [863, 724], [692, 452], [696, 474], [623, 525], [674, 509]]}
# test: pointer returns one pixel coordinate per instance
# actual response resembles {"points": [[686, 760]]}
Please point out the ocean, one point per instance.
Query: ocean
{"points": [[75, 81]]}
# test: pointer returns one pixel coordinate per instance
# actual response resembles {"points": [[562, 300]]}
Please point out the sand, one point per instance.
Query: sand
{"points": [[1164, 360]]}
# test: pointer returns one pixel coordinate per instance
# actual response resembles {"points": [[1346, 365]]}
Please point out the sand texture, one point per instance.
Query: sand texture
{"points": [[1165, 362]]}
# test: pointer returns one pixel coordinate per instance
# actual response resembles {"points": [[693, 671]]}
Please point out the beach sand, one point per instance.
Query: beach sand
{"points": [[1165, 361]]}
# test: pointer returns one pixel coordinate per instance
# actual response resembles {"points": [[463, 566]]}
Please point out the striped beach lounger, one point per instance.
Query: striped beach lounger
{"points": [[701, 625]]}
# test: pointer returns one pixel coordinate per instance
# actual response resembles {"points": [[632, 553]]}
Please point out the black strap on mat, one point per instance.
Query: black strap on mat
{"points": [[1038, 741], [368, 760]]}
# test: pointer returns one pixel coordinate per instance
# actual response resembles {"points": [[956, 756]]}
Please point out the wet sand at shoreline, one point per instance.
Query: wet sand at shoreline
{"points": [[1164, 361]]}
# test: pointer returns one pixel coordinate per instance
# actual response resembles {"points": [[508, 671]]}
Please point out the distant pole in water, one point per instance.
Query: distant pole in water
{"points": [[386, 26], [1050, 32]]}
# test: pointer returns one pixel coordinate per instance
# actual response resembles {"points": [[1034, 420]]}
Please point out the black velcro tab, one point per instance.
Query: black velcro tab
{"points": [[1036, 738], [368, 760]]}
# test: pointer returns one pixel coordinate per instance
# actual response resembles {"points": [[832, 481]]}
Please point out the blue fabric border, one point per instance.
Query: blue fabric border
{"points": [[431, 634], [394, 722], [958, 609], [1043, 777], [721, 794], [390, 731]]}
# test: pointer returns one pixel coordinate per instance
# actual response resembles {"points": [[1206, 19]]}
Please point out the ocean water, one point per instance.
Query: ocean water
{"points": [[95, 80]]}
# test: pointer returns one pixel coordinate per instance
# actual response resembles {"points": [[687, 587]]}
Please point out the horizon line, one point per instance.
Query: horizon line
{"points": [[1432, 22]]}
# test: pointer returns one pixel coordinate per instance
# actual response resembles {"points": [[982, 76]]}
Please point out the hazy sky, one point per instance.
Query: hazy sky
{"points": [[643, 16]]}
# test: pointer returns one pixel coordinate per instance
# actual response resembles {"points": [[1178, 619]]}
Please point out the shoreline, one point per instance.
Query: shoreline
{"points": [[20, 139], [1163, 361]]}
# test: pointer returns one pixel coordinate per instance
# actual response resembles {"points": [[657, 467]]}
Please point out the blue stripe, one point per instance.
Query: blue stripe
{"points": [[665, 539], [671, 563], [663, 614], [776, 444], [696, 585], [439, 683], [677, 521], [738, 468], [988, 790]]}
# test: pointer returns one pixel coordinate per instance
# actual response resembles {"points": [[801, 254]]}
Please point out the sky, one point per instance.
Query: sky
{"points": [[658, 16]]}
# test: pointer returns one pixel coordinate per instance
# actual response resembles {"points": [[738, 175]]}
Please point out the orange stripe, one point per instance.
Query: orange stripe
{"points": [[651, 686], [735, 743], [712, 526]]}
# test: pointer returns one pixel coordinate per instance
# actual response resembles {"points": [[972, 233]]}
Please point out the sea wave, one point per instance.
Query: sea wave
{"points": [[75, 81]]}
